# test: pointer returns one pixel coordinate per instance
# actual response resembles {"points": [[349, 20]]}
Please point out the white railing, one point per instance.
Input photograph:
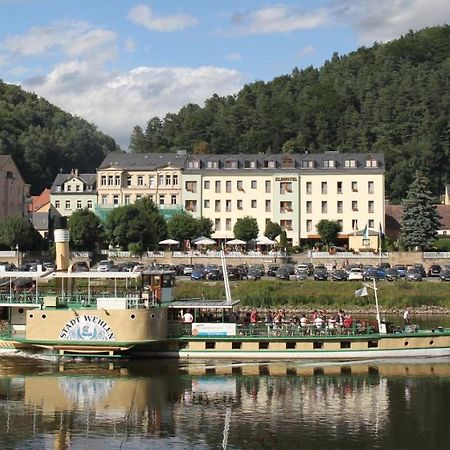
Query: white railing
{"points": [[123, 254], [80, 254], [436, 255], [216, 254], [8, 254], [347, 255]]}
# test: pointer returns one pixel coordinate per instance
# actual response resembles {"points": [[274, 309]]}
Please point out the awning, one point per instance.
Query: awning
{"points": [[202, 304]]}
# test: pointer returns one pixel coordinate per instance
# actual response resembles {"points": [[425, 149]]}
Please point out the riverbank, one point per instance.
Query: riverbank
{"points": [[423, 298]]}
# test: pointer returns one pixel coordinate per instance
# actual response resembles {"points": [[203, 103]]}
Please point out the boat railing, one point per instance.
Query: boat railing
{"points": [[23, 297]]}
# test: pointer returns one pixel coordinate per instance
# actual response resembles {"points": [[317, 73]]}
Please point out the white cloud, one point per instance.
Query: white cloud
{"points": [[279, 19], [130, 45], [233, 56], [144, 16], [305, 51], [383, 20], [115, 103]]}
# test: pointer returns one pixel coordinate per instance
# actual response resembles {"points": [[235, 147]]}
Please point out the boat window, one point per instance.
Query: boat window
{"points": [[345, 344], [210, 345], [263, 345], [167, 281], [182, 345], [372, 344], [236, 345], [317, 345], [290, 345]]}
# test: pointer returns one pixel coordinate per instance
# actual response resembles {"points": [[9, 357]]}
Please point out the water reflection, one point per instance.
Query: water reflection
{"points": [[165, 404]]}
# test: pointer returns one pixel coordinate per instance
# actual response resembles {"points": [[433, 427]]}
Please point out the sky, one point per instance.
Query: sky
{"points": [[118, 63]]}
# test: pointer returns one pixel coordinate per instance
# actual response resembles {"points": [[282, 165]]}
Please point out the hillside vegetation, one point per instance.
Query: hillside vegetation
{"points": [[43, 139], [392, 98]]}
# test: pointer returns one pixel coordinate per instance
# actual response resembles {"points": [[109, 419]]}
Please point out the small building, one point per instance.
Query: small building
{"points": [[14, 192], [361, 241]]}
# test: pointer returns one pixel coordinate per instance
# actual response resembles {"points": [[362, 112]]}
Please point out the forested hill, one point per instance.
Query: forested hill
{"points": [[393, 98], [44, 139]]}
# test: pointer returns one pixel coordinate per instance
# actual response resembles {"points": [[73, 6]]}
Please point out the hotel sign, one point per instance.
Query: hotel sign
{"points": [[285, 179], [87, 328]]}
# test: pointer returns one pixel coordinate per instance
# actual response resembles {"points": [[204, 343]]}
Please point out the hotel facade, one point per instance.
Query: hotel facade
{"points": [[295, 191]]}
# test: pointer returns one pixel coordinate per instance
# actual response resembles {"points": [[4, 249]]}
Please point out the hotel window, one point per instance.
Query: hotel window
{"points": [[324, 187], [309, 226], [228, 205], [285, 187], [217, 185], [173, 199], [151, 198], [371, 163], [339, 187], [309, 207], [151, 182], [371, 206], [341, 223], [227, 224], [217, 224], [193, 164], [285, 207], [117, 180], [191, 186], [110, 180], [307, 164], [104, 199], [127, 199], [354, 224], [160, 180], [139, 196], [269, 164], [239, 205], [140, 180], [168, 180], [354, 205], [308, 187], [79, 204], [354, 186], [103, 180], [324, 207], [254, 203], [340, 206], [129, 180], [371, 224], [67, 205], [286, 225], [175, 180], [57, 204], [287, 163], [329, 163], [217, 206], [190, 205], [212, 164], [249, 164], [228, 186], [89, 204], [239, 185], [268, 187], [206, 184], [268, 206], [205, 203], [115, 200], [370, 187], [162, 199], [254, 184], [231, 164], [350, 163]]}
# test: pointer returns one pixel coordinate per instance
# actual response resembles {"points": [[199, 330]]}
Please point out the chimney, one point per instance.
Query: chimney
{"points": [[76, 172]]}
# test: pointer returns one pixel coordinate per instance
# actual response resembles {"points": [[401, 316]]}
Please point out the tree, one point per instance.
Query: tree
{"points": [[139, 223], [182, 226], [138, 143], [328, 231], [86, 230], [246, 228], [17, 231], [204, 227], [420, 221], [273, 230]]}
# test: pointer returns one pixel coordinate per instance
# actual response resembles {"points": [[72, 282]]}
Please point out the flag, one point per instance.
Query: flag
{"points": [[361, 292], [380, 232], [366, 232]]}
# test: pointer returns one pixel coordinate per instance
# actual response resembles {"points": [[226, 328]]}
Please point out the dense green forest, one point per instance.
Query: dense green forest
{"points": [[43, 139], [393, 98]]}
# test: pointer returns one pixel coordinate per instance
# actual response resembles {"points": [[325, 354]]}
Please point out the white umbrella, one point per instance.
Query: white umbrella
{"points": [[264, 240], [236, 242], [204, 241], [169, 242]]}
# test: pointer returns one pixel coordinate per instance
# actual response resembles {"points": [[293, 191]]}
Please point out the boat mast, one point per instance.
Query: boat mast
{"points": [[226, 281]]}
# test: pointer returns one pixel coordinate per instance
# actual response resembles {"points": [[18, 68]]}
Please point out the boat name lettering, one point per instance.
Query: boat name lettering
{"points": [[87, 328]]}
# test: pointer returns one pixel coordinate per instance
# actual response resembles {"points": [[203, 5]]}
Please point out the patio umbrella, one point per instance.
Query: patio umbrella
{"points": [[169, 242], [236, 242], [264, 240], [204, 241]]}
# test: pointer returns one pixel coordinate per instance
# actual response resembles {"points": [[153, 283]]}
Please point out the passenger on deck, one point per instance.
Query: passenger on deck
{"points": [[318, 322], [188, 317], [407, 317], [348, 321]]}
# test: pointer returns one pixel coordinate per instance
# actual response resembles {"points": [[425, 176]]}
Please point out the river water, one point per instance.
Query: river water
{"points": [[48, 403]]}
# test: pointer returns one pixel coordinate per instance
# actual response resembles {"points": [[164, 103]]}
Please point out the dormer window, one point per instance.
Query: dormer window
{"points": [[371, 163], [269, 164], [194, 164], [250, 164], [329, 163], [307, 164], [214, 164], [231, 164], [350, 163], [288, 163]]}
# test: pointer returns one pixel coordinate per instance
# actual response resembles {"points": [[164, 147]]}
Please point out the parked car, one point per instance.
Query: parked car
{"points": [[80, 266], [413, 275], [375, 272], [301, 274], [214, 275], [308, 267], [419, 267], [235, 273], [339, 275], [320, 273], [401, 269], [198, 274], [283, 273], [254, 274], [187, 270], [445, 275], [260, 267], [392, 274], [356, 273], [434, 270], [105, 265], [272, 270]]}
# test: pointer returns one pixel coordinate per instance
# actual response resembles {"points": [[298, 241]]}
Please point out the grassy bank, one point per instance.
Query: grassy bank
{"points": [[327, 294]]}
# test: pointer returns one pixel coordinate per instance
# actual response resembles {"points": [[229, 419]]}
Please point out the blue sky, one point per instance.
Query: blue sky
{"points": [[117, 63]]}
